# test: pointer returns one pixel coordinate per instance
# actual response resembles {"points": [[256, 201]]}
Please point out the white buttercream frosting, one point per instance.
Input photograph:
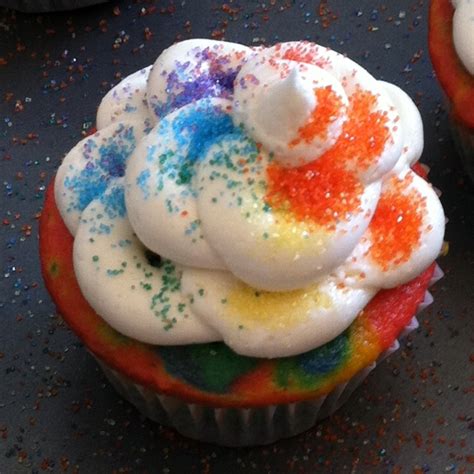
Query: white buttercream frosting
{"points": [[463, 32], [125, 101], [274, 99], [275, 185]]}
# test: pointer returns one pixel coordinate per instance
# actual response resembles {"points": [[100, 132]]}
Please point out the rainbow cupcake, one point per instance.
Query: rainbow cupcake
{"points": [[244, 237]]}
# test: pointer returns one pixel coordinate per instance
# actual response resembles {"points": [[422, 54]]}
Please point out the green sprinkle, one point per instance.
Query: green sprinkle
{"points": [[114, 272], [185, 175], [95, 258]]}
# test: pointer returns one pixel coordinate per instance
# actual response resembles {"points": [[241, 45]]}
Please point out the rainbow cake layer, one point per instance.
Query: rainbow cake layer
{"points": [[212, 373]]}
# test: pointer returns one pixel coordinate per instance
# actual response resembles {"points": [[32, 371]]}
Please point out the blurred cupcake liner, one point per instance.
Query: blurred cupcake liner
{"points": [[37, 6], [464, 141], [247, 426]]}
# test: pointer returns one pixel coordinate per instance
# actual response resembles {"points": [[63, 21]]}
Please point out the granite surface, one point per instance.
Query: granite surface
{"points": [[57, 412]]}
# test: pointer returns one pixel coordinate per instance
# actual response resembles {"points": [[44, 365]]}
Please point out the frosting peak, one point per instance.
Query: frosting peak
{"points": [[286, 106], [295, 110]]}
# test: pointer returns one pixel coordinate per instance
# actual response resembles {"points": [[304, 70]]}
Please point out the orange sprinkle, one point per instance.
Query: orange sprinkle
{"points": [[328, 108], [396, 226], [364, 134], [366, 131], [321, 191], [327, 190]]}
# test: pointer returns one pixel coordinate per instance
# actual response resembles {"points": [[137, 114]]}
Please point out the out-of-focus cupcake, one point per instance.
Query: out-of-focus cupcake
{"points": [[37, 6], [451, 42]]}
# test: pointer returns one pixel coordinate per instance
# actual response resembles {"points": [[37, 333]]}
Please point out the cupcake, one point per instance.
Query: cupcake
{"points": [[451, 41], [245, 236]]}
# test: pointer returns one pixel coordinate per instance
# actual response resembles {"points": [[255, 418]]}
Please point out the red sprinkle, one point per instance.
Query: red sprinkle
{"points": [[303, 53]]}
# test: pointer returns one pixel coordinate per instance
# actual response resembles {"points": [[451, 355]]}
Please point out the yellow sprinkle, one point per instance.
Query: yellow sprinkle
{"points": [[253, 308], [282, 232], [288, 233]]}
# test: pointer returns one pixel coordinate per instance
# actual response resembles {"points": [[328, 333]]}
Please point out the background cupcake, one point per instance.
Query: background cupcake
{"points": [[451, 37]]}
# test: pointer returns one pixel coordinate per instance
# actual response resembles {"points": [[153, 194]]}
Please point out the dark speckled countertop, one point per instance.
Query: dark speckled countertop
{"points": [[415, 413]]}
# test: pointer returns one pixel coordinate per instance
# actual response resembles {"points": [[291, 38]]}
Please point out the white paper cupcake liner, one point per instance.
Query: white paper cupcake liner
{"points": [[247, 426], [37, 6]]}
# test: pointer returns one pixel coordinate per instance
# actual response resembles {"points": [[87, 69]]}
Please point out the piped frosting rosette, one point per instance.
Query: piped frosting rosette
{"points": [[260, 197]]}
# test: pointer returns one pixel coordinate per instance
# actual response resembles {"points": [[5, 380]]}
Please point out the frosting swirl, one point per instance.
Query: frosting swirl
{"points": [[275, 186], [463, 32]]}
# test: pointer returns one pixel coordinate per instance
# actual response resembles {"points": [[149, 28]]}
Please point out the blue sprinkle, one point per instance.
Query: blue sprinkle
{"points": [[142, 182], [194, 130], [92, 181], [104, 228], [129, 108], [199, 127], [114, 202]]}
